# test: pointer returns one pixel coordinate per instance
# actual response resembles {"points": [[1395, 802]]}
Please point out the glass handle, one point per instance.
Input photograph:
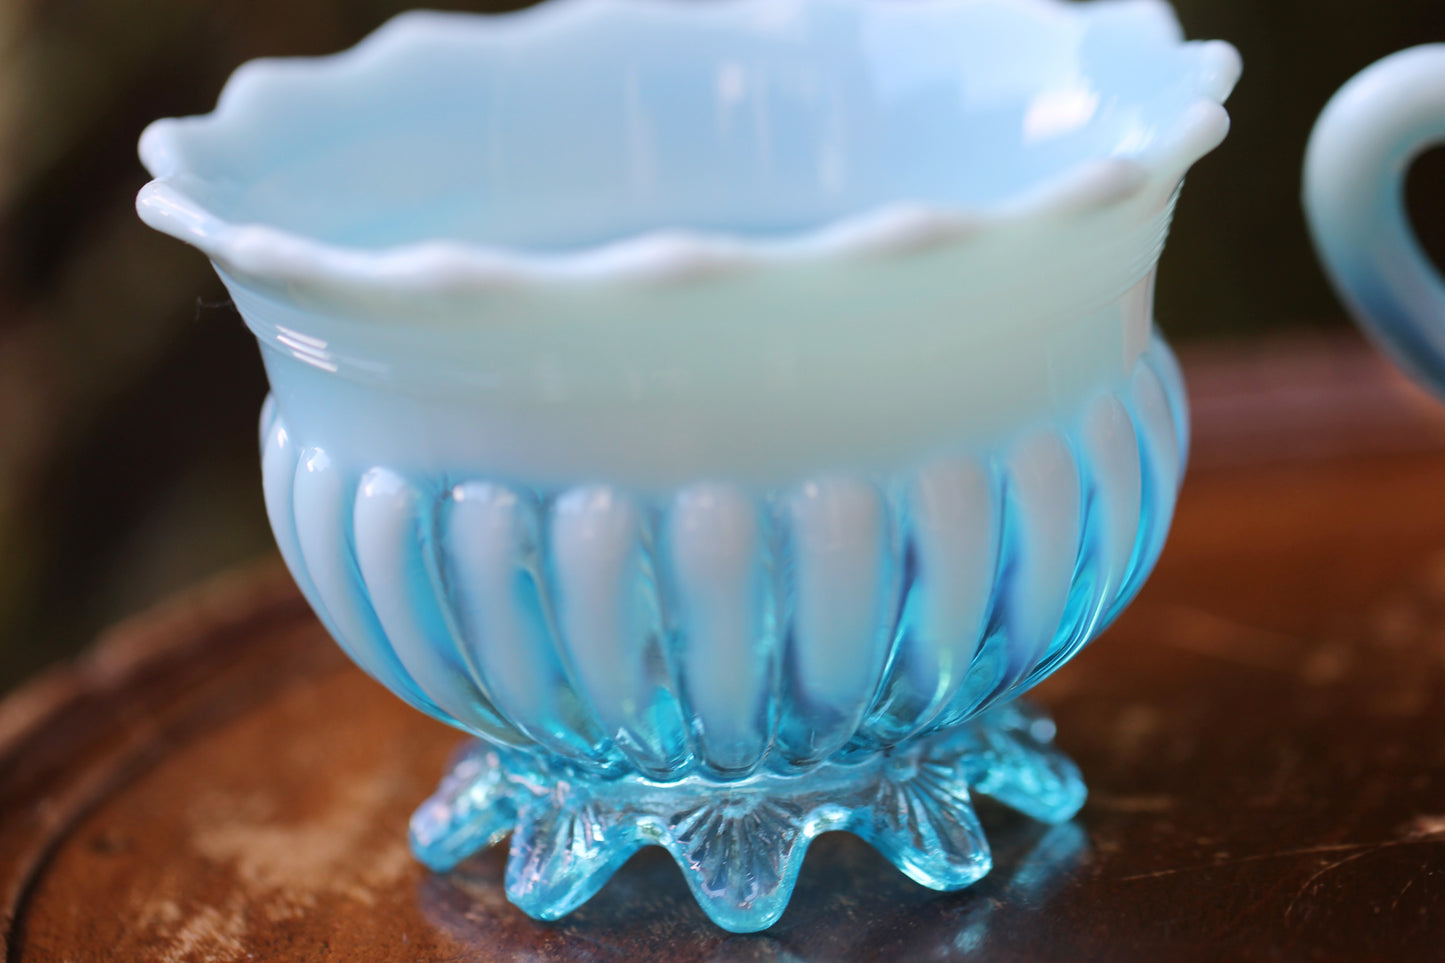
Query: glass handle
{"points": [[1354, 196]]}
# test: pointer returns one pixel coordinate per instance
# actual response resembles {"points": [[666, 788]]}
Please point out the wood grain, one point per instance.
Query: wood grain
{"points": [[1261, 733]]}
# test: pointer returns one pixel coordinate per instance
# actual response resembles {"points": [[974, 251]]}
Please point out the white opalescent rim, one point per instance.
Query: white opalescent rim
{"points": [[657, 256]]}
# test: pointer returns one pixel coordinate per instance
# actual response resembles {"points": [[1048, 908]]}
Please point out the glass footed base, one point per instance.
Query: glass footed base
{"points": [[740, 844]]}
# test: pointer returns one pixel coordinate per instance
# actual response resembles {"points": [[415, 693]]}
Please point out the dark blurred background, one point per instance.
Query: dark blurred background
{"points": [[129, 389]]}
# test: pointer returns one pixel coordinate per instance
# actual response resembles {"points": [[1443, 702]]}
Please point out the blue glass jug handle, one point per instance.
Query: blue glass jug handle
{"points": [[1354, 196]]}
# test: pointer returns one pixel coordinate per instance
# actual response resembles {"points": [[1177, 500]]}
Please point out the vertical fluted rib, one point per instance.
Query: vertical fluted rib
{"points": [[278, 482], [490, 560], [390, 551], [1111, 449], [951, 512], [1047, 509], [1162, 461], [1114, 482], [280, 465], [609, 619], [323, 504], [1159, 410], [716, 546], [1171, 378], [843, 600]]}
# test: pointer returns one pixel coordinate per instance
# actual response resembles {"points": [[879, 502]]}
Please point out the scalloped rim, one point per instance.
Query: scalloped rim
{"points": [[660, 256]]}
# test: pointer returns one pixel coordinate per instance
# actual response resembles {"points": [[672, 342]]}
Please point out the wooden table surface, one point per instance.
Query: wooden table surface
{"points": [[1263, 734]]}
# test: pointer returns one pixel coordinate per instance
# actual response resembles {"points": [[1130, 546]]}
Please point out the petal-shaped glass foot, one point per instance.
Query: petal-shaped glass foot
{"points": [[741, 844]]}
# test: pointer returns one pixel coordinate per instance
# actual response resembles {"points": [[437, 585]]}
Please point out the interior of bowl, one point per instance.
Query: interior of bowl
{"points": [[586, 121]]}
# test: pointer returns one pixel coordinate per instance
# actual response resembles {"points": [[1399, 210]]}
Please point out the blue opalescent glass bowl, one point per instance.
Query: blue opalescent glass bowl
{"points": [[723, 411]]}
